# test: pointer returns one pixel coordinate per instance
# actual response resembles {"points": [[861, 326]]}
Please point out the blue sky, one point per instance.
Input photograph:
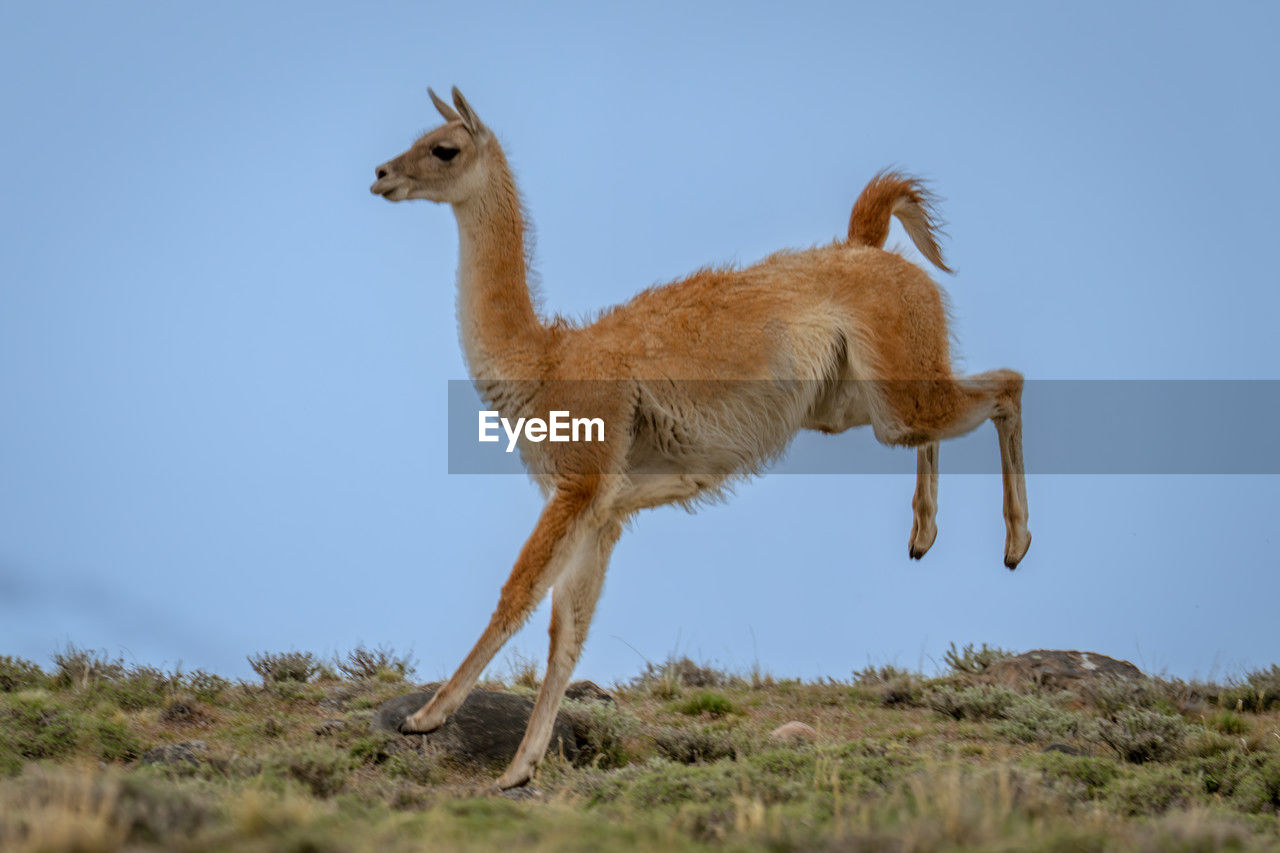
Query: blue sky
{"points": [[224, 365]]}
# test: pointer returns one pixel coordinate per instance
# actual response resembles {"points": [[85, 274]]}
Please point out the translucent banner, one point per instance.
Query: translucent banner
{"points": [[1069, 427]]}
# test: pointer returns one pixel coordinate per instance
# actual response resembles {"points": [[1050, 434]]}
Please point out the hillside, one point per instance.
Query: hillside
{"points": [[100, 755]]}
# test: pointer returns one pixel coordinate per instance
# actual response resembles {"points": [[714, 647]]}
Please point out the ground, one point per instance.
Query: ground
{"points": [[99, 755]]}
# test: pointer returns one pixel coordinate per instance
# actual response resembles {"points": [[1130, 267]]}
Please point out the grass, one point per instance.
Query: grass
{"points": [[683, 761], [707, 703]]}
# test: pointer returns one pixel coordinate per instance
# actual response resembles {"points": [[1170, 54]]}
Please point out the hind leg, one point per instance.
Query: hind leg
{"points": [[1013, 474], [929, 411], [1001, 391], [924, 504]]}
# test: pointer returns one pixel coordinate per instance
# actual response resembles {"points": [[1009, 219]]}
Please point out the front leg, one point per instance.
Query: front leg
{"points": [[573, 604], [559, 529]]}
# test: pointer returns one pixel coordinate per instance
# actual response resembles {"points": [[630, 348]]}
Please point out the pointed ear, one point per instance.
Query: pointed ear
{"points": [[445, 110], [468, 115]]}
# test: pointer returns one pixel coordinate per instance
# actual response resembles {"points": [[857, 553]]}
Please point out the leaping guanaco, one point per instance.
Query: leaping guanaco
{"points": [[698, 381]]}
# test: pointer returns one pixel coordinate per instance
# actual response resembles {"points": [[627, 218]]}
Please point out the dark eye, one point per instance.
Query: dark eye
{"points": [[444, 152]]}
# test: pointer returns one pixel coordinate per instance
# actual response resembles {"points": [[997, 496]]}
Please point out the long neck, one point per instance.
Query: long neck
{"points": [[500, 329]]}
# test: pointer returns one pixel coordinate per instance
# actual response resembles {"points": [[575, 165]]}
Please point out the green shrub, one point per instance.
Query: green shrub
{"points": [[1183, 697], [415, 766], [903, 691], [19, 674], [660, 784], [183, 711], [321, 768], [275, 667], [1018, 717], [666, 679], [1228, 722], [1266, 683], [712, 704], [982, 702], [296, 691], [139, 687], [875, 675], [35, 726], [157, 812], [379, 664], [131, 688], [605, 734], [115, 740], [1206, 742], [971, 661], [206, 686], [1090, 775], [1032, 718], [1269, 778], [1250, 783], [376, 747], [694, 745], [1112, 695], [1153, 791], [80, 668], [1258, 691], [1139, 736], [1221, 773]]}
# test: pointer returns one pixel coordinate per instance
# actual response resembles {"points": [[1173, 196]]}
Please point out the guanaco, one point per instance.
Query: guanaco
{"points": [[697, 381]]}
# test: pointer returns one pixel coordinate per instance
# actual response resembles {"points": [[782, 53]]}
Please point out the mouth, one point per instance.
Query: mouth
{"points": [[389, 189]]}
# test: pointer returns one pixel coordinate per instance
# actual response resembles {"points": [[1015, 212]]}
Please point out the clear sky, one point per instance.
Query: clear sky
{"points": [[224, 364]]}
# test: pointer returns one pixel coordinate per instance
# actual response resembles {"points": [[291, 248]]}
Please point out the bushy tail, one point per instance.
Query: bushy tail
{"points": [[895, 194]]}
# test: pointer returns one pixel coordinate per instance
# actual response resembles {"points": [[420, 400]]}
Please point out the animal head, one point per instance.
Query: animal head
{"points": [[445, 165]]}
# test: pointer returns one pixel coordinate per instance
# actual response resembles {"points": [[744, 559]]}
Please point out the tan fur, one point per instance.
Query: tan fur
{"points": [[698, 382], [895, 194]]}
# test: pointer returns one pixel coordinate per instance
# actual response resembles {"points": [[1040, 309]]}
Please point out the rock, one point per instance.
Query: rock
{"points": [[487, 729], [793, 733], [1060, 670], [188, 752], [1065, 748], [589, 691]]}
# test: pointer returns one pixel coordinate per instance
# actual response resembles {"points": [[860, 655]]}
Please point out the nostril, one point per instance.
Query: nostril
{"points": [[382, 173]]}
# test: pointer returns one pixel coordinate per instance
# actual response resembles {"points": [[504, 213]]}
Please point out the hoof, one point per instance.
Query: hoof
{"points": [[510, 781], [1014, 553], [417, 724], [921, 542]]}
